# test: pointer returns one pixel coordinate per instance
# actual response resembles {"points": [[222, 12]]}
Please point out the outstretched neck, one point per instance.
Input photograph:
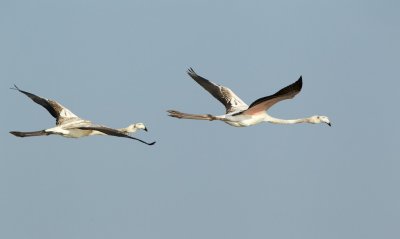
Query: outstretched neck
{"points": [[128, 129], [288, 121]]}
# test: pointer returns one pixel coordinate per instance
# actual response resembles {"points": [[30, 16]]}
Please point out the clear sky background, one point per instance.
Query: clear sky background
{"points": [[119, 62]]}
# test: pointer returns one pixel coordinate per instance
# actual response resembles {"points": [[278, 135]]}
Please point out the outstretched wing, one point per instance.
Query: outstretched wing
{"points": [[112, 132], [225, 95], [58, 111], [267, 102]]}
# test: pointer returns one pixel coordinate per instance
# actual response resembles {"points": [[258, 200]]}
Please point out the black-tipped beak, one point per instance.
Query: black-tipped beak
{"points": [[145, 129], [330, 125]]}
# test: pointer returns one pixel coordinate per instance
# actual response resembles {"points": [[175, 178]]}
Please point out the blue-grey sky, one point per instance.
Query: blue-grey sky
{"points": [[119, 62]]}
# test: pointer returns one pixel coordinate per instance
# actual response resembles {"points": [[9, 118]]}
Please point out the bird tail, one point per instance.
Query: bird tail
{"points": [[29, 134]]}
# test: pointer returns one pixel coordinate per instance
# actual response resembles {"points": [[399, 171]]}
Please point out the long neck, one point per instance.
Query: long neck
{"points": [[128, 129], [288, 121]]}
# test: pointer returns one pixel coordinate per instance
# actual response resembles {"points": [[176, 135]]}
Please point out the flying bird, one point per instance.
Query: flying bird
{"points": [[239, 114], [71, 126]]}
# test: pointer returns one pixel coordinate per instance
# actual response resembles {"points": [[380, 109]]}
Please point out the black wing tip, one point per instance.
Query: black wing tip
{"points": [[191, 72], [152, 143], [299, 83], [15, 88], [300, 80], [15, 133]]}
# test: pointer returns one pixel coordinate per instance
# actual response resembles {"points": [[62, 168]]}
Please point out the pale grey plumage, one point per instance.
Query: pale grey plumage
{"points": [[70, 125], [238, 113]]}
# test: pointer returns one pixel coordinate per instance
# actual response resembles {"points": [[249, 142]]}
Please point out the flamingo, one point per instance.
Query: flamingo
{"points": [[239, 114], [71, 126]]}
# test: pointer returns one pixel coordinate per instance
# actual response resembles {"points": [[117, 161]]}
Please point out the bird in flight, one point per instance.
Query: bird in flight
{"points": [[239, 114], [71, 126]]}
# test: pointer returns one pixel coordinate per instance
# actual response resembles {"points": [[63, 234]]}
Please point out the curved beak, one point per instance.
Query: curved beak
{"points": [[330, 125], [145, 129]]}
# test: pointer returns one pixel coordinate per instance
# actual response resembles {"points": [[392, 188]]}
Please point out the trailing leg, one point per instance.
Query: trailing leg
{"points": [[29, 134]]}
